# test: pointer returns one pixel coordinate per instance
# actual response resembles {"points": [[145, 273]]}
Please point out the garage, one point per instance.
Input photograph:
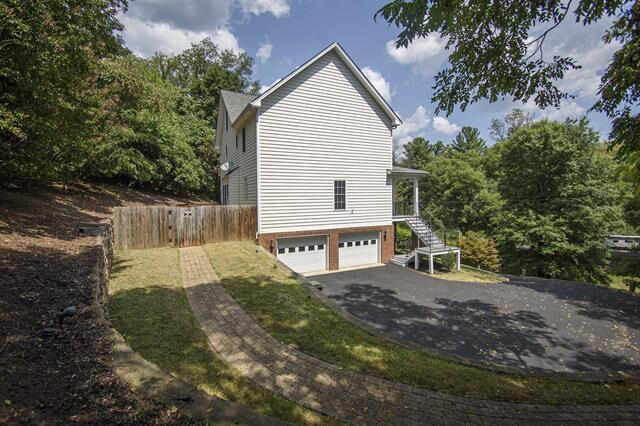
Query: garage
{"points": [[304, 254], [358, 248]]}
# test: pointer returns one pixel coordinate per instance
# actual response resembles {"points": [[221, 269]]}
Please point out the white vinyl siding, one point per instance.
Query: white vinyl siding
{"points": [[319, 127], [244, 161]]}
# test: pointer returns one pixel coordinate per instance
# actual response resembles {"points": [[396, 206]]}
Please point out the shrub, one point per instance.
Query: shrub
{"points": [[448, 261], [403, 237], [479, 251]]}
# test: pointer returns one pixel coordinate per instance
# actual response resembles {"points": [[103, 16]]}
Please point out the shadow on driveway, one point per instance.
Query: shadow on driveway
{"points": [[527, 323]]}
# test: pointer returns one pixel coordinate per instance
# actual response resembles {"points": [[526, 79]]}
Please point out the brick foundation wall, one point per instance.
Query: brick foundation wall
{"points": [[269, 241]]}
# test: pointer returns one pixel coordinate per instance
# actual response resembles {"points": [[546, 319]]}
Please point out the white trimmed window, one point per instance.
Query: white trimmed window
{"points": [[339, 195]]}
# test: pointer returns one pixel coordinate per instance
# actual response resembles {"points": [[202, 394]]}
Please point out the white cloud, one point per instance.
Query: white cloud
{"points": [[170, 27], [444, 126], [412, 126], [425, 55], [278, 8], [146, 38], [378, 81], [264, 52], [265, 87]]}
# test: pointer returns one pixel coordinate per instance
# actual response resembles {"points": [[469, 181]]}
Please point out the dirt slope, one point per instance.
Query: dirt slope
{"points": [[45, 265]]}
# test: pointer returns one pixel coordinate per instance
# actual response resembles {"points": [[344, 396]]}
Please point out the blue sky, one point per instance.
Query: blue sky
{"points": [[282, 34]]}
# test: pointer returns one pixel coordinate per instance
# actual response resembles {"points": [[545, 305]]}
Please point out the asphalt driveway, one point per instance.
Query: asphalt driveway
{"points": [[526, 323]]}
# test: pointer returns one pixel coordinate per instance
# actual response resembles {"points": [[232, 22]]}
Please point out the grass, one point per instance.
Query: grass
{"points": [[622, 268], [289, 312], [150, 308], [466, 274]]}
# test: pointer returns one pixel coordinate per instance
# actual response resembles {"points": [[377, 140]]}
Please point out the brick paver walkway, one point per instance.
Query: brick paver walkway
{"points": [[342, 393]]}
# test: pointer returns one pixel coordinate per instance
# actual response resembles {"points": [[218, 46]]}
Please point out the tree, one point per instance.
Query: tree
{"points": [[50, 53], [149, 135], [559, 202], [497, 50], [468, 139], [501, 129], [620, 87], [457, 193], [203, 70]]}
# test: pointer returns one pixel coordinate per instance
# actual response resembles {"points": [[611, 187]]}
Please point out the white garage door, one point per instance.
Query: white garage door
{"points": [[303, 254], [358, 248]]}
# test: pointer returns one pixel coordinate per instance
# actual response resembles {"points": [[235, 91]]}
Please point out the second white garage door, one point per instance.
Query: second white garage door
{"points": [[358, 248], [303, 254]]}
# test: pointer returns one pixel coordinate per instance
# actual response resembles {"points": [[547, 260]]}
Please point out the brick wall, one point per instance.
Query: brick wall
{"points": [[268, 241]]}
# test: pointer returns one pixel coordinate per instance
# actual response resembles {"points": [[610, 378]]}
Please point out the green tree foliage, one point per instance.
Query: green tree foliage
{"points": [[497, 50], [150, 135], [419, 152], [480, 251], [516, 118], [620, 88], [559, 202], [468, 139], [203, 70], [49, 56], [457, 192]]}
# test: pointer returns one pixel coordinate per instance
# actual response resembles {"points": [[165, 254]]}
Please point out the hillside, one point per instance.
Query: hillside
{"points": [[45, 265]]}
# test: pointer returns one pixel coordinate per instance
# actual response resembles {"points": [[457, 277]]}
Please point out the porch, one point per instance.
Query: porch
{"points": [[425, 242]]}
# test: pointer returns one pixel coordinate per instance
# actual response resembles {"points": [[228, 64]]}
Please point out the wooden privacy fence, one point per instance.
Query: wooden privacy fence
{"points": [[170, 226]]}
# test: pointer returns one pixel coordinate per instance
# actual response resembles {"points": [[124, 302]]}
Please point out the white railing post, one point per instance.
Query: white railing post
{"points": [[416, 198]]}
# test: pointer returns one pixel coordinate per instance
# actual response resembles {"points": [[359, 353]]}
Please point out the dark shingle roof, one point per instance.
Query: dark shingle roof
{"points": [[235, 102], [397, 170]]}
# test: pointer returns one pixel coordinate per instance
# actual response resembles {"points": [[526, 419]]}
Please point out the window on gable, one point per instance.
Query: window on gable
{"points": [[339, 195], [226, 121], [236, 141], [244, 139], [226, 150]]}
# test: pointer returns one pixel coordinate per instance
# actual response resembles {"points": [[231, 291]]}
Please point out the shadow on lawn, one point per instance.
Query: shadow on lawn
{"points": [[158, 323], [476, 329]]}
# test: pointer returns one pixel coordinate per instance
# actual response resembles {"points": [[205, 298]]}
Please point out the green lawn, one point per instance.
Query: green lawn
{"points": [[150, 308], [465, 274], [286, 309], [622, 268]]}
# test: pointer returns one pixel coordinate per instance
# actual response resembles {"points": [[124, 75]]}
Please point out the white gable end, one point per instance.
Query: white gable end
{"points": [[320, 125]]}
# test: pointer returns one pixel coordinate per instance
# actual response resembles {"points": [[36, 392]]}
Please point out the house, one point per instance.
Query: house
{"points": [[314, 153]]}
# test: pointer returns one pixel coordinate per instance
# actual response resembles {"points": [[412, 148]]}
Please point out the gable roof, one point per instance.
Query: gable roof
{"points": [[235, 102], [333, 47]]}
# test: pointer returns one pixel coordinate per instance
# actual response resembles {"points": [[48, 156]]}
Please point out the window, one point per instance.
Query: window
{"points": [[357, 243], [340, 245], [312, 248], [320, 246], [226, 150], [280, 251], [349, 243], [236, 141], [244, 140], [292, 249], [339, 195], [302, 248], [365, 243], [373, 242], [246, 188], [226, 120]]}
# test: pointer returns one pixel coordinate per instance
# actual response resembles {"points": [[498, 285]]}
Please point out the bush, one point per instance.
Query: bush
{"points": [[448, 261], [479, 251], [403, 237]]}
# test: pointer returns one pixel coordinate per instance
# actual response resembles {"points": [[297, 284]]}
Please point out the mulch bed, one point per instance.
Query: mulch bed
{"points": [[45, 265]]}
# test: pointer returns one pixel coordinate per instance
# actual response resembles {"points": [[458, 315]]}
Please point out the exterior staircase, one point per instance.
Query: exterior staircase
{"points": [[428, 239], [403, 259], [429, 245]]}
